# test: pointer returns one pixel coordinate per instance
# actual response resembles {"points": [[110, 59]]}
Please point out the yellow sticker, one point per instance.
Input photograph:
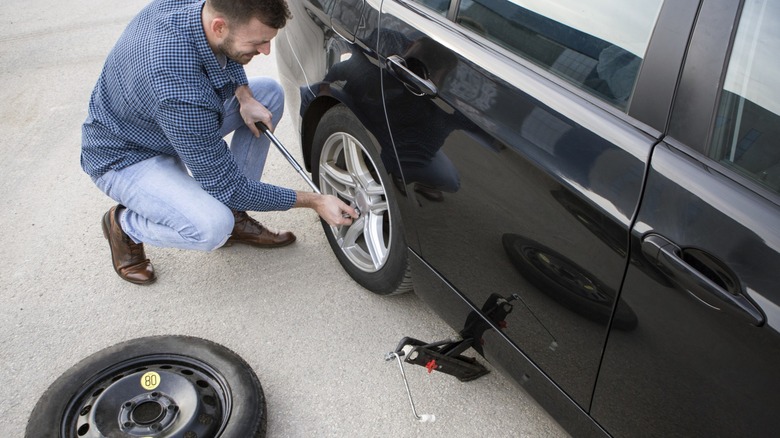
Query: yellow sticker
{"points": [[150, 380]]}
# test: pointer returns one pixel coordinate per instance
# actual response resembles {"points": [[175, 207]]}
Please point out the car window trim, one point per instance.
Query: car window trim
{"points": [[452, 14], [514, 66], [653, 96], [662, 67], [703, 74], [716, 167], [692, 123]]}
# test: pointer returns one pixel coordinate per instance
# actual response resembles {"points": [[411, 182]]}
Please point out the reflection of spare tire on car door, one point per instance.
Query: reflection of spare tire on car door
{"points": [[161, 386], [566, 282]]}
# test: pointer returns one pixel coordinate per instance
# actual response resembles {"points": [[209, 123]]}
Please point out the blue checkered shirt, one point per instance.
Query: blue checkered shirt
{"points": [[162, 92]]}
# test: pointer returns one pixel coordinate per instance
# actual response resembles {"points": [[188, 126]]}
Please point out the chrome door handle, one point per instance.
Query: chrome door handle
{"points": [[335, 28], [420, 86], [668, 257]]}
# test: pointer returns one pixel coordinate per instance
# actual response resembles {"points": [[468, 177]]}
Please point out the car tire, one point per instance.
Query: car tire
{"points": [[372, 250], [161, 386]]}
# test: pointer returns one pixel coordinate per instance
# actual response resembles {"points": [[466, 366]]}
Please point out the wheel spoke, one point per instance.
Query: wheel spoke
{"points": [[374, 188], [352, 234], [356, 165], [338, 180], [374, 235], [378, 208]]}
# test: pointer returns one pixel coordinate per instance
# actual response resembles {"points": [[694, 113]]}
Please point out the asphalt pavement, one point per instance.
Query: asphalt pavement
{"points": [[315, 338]]}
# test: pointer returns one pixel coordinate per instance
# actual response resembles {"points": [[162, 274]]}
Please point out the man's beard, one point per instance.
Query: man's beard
{"points": [[240, 57]]}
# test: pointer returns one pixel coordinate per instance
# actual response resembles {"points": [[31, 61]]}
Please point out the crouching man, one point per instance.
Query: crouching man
{"points": [[172, 87]]}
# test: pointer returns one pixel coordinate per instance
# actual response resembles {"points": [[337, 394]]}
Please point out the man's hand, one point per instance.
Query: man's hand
{"points": [[253, 111], [330, 208]]}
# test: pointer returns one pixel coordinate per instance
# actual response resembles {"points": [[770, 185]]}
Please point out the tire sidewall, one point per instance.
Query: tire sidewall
{"points": [[248, 412], [387, 280]]}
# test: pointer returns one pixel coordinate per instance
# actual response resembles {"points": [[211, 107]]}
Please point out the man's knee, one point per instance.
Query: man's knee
{"points": [[269, 92], [211, 231]]}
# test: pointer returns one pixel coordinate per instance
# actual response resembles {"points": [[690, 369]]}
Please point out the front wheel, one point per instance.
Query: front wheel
{"points": [[346, 164]]}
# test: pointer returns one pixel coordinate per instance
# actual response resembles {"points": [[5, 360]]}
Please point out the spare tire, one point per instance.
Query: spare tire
{"points": [[161, 386]]}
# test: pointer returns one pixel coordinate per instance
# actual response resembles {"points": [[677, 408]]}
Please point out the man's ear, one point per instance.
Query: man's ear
{"points": [[219, 27]]}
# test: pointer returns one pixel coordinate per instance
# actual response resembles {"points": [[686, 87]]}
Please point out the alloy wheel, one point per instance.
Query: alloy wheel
{"points": [[347, 171]]}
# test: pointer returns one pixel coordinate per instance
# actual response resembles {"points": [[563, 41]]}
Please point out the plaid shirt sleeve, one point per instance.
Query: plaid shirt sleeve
{"points": [[193, 131]]}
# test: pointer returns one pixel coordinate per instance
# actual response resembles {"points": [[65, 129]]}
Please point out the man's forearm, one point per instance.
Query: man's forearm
{"points": [[243, 92], [306, 200]]}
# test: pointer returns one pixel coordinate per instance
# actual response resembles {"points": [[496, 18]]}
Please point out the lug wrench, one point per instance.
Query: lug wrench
{"points": [[264, 129]]}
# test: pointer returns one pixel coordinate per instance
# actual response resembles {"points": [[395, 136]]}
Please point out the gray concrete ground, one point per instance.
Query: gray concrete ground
{"points": [[314, 337]]}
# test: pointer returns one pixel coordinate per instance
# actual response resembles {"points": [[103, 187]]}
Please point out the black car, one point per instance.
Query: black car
{"points": [[605, 173]]}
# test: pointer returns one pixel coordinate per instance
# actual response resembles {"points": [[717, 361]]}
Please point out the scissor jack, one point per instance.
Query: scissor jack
{"points": [[443, 356]]}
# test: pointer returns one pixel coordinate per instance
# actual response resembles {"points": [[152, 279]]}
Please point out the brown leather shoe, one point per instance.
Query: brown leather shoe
{"points": [[249, 231], [128, 257]]}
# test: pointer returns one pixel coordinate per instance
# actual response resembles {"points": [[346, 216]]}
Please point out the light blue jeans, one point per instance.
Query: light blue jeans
{"points": [[166, 207]]}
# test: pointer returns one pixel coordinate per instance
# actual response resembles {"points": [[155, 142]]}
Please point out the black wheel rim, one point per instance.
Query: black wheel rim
{"points": [[161, 395]]}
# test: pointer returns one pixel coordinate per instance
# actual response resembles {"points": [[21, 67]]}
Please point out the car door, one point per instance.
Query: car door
{"points": [[522, 130], [705, 248]]}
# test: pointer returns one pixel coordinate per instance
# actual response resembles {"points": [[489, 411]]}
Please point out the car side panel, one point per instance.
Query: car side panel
{"points": [[688, 369], [456, 310], [705, 252], [524, 190]]}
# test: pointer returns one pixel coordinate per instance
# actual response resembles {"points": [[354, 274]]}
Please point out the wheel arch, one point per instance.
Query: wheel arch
{"points": [[309, 122]]}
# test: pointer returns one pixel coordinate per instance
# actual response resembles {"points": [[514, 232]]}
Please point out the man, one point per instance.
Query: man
{"points": [[172, 87]]}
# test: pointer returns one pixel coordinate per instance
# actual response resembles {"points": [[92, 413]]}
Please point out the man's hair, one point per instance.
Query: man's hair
{"points": [[272, 13]]}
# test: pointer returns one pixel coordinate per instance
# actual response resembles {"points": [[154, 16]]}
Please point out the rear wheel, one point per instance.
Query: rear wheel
{"points": [[346, 164]]}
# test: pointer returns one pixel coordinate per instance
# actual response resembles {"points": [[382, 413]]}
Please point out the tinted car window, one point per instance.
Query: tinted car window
{"points": [[596, 44], [747, 127]]}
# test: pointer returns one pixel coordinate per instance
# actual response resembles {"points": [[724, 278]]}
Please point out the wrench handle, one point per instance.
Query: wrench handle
{"points": [[264, 129]]}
